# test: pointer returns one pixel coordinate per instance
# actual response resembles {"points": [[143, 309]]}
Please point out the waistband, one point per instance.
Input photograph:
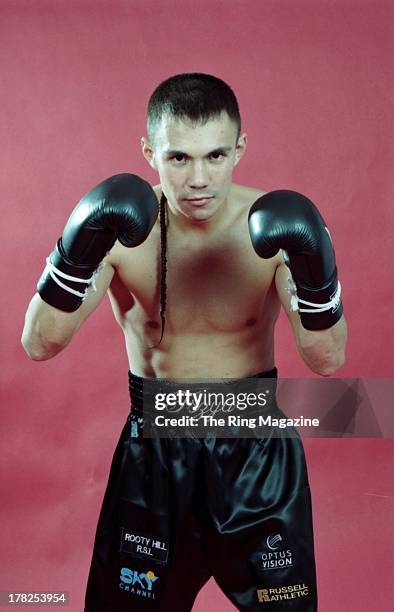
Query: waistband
{"points": [[137, 392]]}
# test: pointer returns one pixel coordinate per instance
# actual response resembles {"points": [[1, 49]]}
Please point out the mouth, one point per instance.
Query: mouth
{"points": [[199, 201]]}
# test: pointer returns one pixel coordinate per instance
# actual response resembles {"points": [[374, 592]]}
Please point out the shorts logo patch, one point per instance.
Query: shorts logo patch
{"points": [[273, 541], [282, 593], [276, 556], [144, 546], [138, 583]]}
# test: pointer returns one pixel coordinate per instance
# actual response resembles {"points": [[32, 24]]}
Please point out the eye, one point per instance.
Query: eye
{"points": [[178, 158], [217, 155]]}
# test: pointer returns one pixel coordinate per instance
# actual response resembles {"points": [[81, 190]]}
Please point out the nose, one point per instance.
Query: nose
{"points": [[198, 177]]}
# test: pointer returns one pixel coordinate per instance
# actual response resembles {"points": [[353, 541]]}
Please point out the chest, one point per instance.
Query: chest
{"points": [[220, 286]]}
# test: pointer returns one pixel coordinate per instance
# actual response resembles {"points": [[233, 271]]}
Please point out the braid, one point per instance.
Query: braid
{"points": [[163, 262]]}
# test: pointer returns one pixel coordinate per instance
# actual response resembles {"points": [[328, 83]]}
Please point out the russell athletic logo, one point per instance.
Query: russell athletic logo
{"points": [[138, 583], [277, 557], [282, 593]]}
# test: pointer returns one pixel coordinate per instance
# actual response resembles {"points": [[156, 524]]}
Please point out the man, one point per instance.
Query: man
{"points": [[197, 296]]}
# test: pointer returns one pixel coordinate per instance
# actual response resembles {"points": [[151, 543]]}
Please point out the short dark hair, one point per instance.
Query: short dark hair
{"points": [[194, 96]]}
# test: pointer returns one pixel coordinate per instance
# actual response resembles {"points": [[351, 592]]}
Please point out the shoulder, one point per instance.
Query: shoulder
{"points": [[242, 195], [241, 199], [157, 190]]}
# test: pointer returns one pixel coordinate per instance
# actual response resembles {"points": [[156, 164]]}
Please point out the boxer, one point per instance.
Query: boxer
{"points": [[197, 269]]}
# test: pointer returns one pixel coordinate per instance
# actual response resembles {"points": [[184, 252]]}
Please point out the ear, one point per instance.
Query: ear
{"points": [[148, 152], [240, 148]]}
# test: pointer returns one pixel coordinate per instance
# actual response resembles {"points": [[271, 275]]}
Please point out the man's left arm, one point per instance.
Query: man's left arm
{"points": [[323, 351], [289, 222]]}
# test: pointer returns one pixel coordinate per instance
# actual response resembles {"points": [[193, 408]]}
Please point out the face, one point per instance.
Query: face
{"points": [[195, 163]]}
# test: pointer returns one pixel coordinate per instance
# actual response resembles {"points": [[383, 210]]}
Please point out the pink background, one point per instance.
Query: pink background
{"points": [[313, 82]]}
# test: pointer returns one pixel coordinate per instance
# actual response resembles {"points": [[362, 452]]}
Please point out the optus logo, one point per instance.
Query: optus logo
{"points": [[273, 541], [277, 556]]}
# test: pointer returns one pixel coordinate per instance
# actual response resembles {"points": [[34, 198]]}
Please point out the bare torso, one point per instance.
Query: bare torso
{"points": [[222, 303]]}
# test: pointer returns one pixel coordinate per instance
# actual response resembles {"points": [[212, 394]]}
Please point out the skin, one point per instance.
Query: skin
{"points": [[222, 299]]}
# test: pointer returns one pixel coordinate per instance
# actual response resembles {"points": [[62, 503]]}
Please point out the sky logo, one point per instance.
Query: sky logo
{"points": [[137, 583]]}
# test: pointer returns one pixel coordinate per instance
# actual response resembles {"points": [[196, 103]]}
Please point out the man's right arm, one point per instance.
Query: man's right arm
{"points": [[48, 330], [122, 207]]}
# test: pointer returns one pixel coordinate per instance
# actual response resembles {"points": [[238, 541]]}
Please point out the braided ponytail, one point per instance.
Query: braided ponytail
{"points": [[163, 262]]}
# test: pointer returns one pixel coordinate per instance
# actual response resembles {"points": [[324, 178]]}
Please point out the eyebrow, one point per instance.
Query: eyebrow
{"points": [[174, 152]]}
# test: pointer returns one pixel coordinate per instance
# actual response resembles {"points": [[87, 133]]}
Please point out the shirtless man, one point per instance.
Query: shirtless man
{"points": [[195, 300]]}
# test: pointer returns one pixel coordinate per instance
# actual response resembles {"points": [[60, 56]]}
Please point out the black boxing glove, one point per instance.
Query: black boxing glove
{"points": [[287, 220], [122, 207]]}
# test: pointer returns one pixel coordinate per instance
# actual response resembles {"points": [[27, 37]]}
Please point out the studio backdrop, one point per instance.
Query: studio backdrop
{"points": [[314, 83]]}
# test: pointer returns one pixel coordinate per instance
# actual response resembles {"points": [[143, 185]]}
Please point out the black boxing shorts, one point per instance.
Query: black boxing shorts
{"points": [[178, 511]]}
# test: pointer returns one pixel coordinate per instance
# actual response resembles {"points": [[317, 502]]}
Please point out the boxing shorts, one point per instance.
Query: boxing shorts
{"points": [[177, 511]]}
